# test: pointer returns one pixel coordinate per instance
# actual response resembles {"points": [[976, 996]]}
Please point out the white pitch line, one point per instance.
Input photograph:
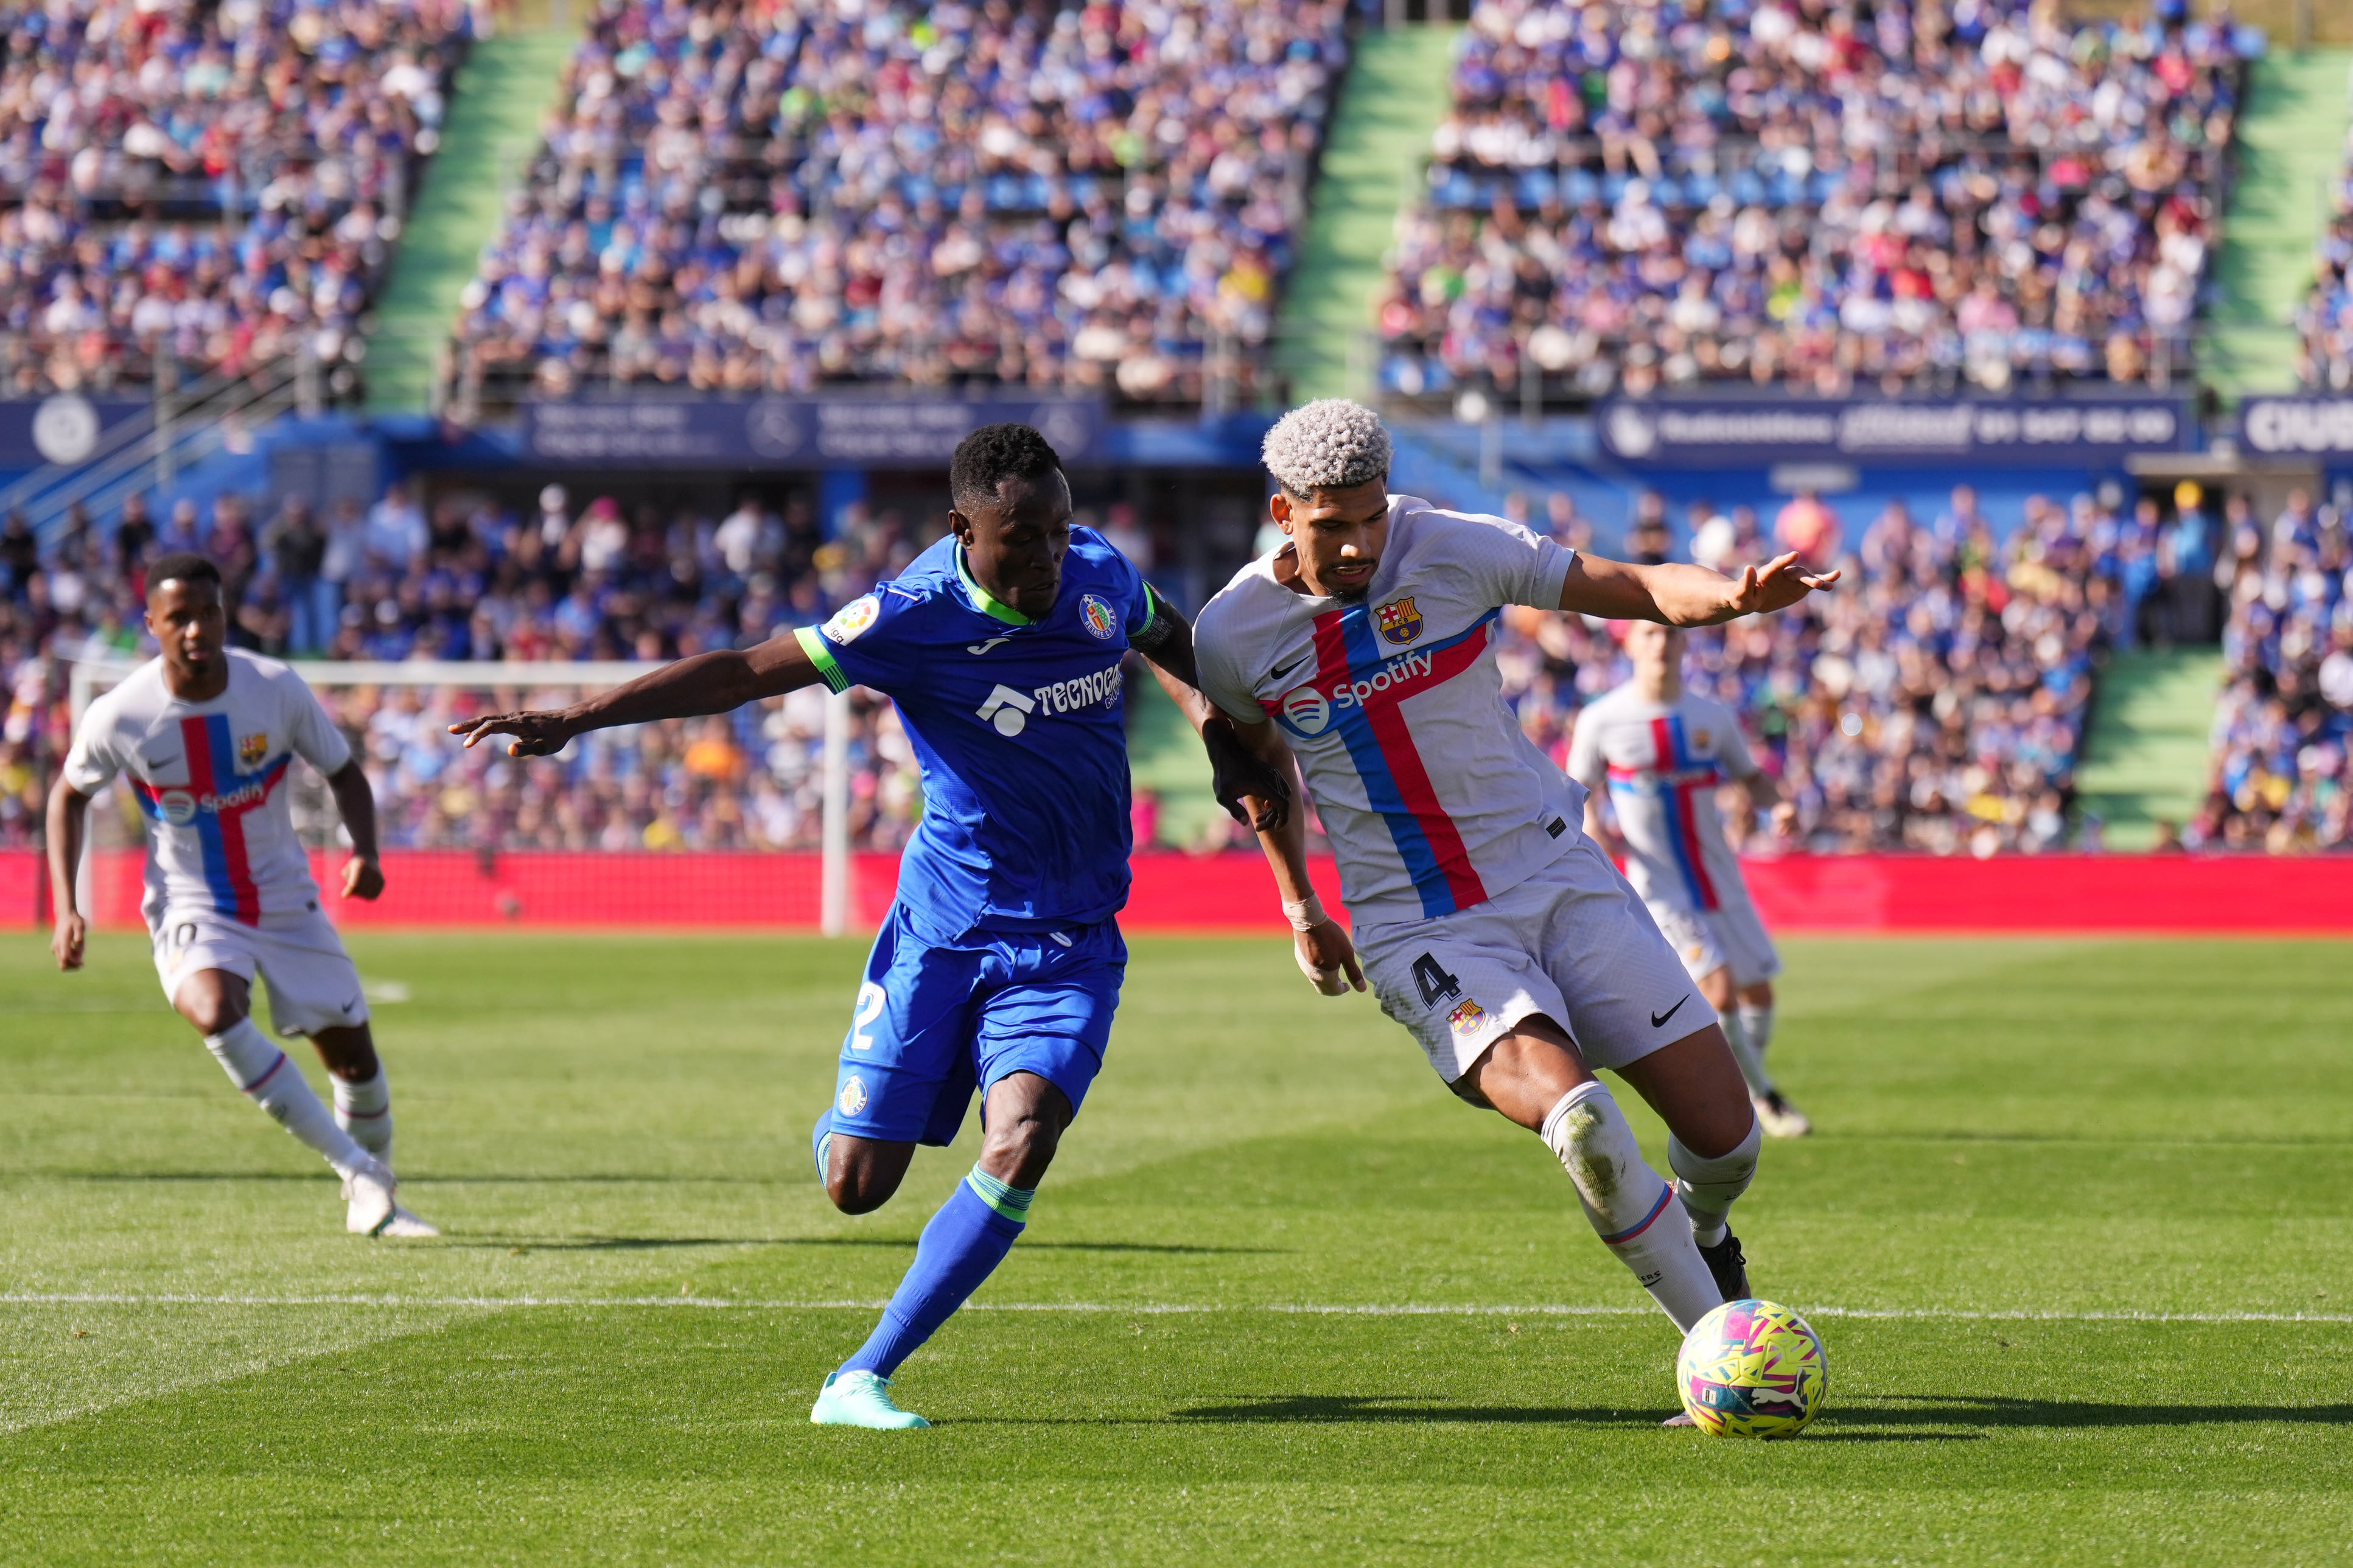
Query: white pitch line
{"points": [[1134, 1308]]}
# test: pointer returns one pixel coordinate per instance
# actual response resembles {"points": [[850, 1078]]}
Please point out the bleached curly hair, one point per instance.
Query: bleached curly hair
{"points": [[1329, 444]]}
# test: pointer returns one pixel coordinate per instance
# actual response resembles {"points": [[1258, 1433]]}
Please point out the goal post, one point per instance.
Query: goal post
{"points": [[776, 775]]}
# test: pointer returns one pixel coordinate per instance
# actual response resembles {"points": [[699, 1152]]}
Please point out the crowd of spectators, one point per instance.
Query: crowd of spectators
{"points": [[750, 198], [2283, 769], [468, 578], [1902, 193], [207, 184], [1935, 702], [2327, 315]]}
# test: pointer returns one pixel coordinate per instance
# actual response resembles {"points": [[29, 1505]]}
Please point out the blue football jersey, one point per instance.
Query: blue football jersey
{"points": [[1020, 728]]}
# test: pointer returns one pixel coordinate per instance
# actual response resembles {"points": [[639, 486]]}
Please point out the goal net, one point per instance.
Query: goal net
{"points": [[795, 807]]}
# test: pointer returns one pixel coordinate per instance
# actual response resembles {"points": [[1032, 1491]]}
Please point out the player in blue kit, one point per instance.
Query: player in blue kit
{"points": [[999, 964]]}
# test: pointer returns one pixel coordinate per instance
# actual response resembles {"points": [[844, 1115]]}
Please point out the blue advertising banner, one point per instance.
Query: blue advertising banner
{"points": [[2297, 426], [1727, 432], [63, 427], [793, 432]]}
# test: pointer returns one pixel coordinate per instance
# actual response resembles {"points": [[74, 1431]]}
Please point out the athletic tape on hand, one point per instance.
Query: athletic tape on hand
{"points": [[1332, 982]]}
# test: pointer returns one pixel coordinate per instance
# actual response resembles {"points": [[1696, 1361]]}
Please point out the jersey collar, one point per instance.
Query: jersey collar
{"points": [[986, 602]]}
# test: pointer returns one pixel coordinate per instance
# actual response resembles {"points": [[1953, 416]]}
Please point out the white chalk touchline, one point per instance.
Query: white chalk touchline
{"points": [[1133, 1308]]}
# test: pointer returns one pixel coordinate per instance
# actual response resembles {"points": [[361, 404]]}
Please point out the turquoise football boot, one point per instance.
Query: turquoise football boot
{"points": [[861, 1399]]}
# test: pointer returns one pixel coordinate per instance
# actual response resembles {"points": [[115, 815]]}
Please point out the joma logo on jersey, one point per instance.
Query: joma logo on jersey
{"points": [[1400, 622], [1309, 709], [250, 750]]}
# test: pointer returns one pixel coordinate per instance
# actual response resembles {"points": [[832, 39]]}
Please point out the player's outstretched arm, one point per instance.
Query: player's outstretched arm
{"points": [[69, 817], [1237, 774], [1766, 799], [1685, 595], [364, 873], [707, 683], [1325, 955]]}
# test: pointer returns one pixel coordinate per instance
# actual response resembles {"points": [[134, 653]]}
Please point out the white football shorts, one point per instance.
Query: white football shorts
{"points": [[312, 983], [1571, 943], [1710, 939]]}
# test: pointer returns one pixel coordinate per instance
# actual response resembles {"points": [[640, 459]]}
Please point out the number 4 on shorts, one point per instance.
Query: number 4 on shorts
{"points": [[1435, 983]]}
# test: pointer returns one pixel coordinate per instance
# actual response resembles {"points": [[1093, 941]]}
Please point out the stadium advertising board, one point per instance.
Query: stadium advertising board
{"points": [[64, 427], [793, 432], [2297, 426], [1726, 432]]}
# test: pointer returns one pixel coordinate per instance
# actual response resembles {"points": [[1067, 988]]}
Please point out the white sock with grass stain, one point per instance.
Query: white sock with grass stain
{"points": [[1626, 1200], [267, 1076]]}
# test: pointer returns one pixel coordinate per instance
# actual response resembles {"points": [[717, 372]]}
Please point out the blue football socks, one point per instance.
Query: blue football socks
{"points": [[961, 1247]]}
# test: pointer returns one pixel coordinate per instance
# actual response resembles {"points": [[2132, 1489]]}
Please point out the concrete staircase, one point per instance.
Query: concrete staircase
{"points": [[492, 130], [2291, 143], [1394, 94], [2145, 757]]}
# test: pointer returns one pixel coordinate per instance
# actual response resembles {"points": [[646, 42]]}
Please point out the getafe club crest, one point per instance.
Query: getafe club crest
{"points": [[1400, 622], [1098, 616], [250, 750]]}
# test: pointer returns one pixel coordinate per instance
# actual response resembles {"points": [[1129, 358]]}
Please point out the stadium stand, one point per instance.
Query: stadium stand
{"points": [[2283, 772], [1935, 704], [1630, 196], [204, 186], [469, 580], [743, 199], [2326, 318]]}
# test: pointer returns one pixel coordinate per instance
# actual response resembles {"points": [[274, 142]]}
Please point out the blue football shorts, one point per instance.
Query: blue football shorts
{"points": [[935, 1021]]}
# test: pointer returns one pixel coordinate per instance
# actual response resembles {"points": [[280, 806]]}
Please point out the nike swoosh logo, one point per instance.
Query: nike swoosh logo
{"points": [[1659, 1020], [353, 1006], [165, 762], [1279, 670]]}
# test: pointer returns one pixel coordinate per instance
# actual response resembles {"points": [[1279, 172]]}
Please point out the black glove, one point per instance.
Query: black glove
{"points": [[1236, 771]]}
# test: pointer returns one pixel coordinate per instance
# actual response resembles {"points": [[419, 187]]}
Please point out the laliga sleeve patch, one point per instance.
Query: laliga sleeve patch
{"points": [[852, 619]]}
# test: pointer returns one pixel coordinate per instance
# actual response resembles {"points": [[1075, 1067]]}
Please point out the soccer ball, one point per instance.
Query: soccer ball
{"points": [[1752, 1369]]}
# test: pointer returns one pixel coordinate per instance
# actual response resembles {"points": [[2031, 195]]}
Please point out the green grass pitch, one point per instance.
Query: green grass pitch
{"points": [[2074, 1231]]}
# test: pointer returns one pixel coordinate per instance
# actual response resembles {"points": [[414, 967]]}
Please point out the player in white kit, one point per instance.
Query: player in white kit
{"points": [[1490, 926], [1656, 755], [204, 734]]}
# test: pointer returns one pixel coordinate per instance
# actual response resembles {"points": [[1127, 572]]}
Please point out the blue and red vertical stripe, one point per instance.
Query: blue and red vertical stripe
{"points": [[220, 829], [1381, 745], [1680, 777]]}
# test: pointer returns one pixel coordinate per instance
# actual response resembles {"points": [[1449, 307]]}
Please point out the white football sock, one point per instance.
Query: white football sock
{"points": [[1757, 1024], [1625, 1199], [267, 1077], [1744, 1057], [1708, 1186], [363, 1110]]}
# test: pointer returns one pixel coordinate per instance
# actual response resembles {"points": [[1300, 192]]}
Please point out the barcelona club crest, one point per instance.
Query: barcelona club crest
{"points": [[250, 750], [1400, 622]]}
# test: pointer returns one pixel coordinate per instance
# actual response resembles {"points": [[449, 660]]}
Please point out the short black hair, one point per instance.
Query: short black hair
{"points": [[182, 566], [994, 454]]}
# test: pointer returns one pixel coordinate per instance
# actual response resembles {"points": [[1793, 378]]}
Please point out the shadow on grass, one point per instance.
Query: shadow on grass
{"points": [[1906, 1410], [901, 1243]]}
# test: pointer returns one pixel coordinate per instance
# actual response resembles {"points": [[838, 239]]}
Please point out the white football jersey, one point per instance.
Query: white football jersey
{"points": [[1662, 762], [210, 778], [1433, 799]]}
